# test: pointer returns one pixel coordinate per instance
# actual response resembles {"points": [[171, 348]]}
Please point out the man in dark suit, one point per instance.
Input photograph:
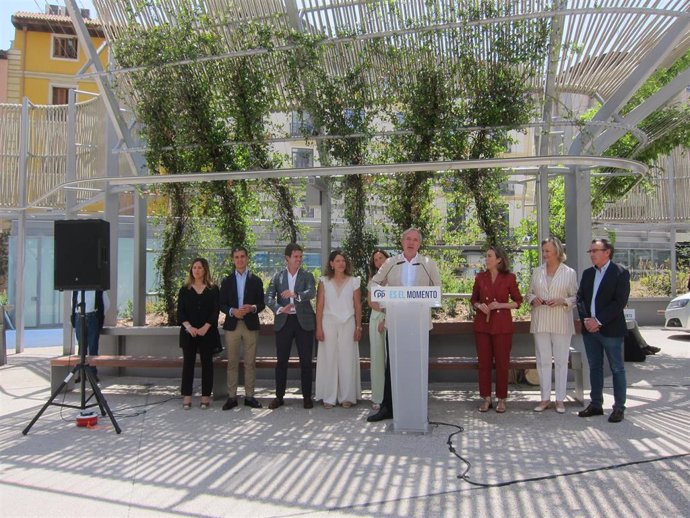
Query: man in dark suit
{"points": [[289, 297], [601, 298], [241, 299], [95, 306]]}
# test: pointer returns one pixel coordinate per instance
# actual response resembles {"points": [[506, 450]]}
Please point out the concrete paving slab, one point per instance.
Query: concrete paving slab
{"points": [[296, 462]]}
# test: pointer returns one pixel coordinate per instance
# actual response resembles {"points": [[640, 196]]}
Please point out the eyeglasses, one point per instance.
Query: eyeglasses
{"points": [[595, 250]]}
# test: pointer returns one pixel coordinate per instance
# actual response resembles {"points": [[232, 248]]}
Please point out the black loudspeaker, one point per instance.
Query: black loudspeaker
{"points": [[82, 254]]}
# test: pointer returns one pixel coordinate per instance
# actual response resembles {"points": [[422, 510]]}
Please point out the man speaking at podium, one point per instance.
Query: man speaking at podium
{"points": [[406, 269]]}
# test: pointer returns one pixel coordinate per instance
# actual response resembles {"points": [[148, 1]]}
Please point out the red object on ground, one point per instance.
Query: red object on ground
{"points": [[87, 419]]}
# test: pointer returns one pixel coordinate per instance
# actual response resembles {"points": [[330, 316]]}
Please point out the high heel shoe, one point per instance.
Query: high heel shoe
{"points": [[186, 403], [486, 404], [204, 403], [501, 406]]}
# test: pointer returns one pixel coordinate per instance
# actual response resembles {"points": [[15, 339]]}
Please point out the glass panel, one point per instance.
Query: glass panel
{"points": [[31, 280], [49, 299]]}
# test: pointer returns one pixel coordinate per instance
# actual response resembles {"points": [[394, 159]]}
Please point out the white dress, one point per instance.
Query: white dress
{"points": [[337, 364]]}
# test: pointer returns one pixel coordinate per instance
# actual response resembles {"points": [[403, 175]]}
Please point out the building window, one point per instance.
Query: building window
{"points": [[354, 118], [302, 157], [307, 212], [59, 95], [507, 188], [300, 124], [65, 47]]}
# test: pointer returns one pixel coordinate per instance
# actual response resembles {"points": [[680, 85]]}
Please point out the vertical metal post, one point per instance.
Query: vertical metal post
{"points": [[578, 218], [112, 211], [139, 288], [670, 169], [70, 203], [3, 341], [324, 187], [71, 151], [21, 225]]}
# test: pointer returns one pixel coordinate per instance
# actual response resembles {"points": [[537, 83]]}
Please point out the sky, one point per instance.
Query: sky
{"points": [[9, 7]]}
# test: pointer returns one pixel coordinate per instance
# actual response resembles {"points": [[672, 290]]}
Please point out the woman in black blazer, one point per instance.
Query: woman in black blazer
{"points": [[197, 313]]}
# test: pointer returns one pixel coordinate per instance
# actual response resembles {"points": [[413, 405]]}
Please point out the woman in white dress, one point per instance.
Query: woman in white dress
{"points": [[338, 330], [377, 334], [552, 294]]}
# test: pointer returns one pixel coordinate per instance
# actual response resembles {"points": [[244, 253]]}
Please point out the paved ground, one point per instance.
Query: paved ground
{"points": [[294, 462]]}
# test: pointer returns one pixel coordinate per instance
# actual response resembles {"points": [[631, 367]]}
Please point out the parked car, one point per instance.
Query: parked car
{"points": [[677, 313]]}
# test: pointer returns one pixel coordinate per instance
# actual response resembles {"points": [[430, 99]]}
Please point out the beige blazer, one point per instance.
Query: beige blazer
{"points": [[553, 319], [390, 273]]}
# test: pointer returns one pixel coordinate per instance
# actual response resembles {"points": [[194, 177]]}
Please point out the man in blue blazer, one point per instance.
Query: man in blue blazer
{"points": [[601, 298], [289, 296], [241, 300]]}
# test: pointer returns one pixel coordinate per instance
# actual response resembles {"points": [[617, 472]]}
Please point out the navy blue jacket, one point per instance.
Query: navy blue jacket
{"points": [[253, 294], [612, 297]]}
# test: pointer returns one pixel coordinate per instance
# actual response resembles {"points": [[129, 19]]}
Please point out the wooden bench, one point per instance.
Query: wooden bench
{"points": [[62, 365]]}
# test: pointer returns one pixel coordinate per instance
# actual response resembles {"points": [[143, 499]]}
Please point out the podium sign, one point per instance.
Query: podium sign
{"points": [[430, 296], [408, 321]]}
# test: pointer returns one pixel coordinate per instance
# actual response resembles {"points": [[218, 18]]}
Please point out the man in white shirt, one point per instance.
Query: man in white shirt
{"points": [[289, 296], [406, 269]]}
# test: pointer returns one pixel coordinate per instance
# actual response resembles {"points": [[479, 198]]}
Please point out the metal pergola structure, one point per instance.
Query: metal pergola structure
{"points": [[601, 49]]}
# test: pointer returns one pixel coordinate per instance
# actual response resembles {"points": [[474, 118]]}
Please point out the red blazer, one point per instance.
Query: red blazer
{"points": [[484, 291]]}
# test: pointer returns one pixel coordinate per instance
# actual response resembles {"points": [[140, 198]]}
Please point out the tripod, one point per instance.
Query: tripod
{"points": [[85, 373]]}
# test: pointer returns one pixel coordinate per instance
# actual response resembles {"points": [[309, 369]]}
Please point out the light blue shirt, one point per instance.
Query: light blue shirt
{"points": [[598, 276], [241, 283], [90, 301]]}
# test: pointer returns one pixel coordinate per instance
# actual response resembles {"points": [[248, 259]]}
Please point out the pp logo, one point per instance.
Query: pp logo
{"points": [[380, 294]]}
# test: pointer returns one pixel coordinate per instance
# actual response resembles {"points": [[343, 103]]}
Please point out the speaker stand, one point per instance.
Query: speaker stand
{"points": [[85, 374]]}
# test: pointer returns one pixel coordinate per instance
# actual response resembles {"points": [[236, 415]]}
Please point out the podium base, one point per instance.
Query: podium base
{"points": [[399, 430]]}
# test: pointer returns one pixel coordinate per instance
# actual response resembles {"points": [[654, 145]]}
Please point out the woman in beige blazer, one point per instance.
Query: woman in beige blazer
{"points": [[552, 295]]}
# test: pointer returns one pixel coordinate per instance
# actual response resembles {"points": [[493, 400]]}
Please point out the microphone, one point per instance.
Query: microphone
{"points": [[427, 271], [385, 278]]}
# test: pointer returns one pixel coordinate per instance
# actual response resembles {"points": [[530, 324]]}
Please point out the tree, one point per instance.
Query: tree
{"points": [[340, 108], [190, 121]]}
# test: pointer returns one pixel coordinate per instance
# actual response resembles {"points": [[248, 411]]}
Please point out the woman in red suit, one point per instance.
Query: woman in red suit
{"points": [[494, 294]]}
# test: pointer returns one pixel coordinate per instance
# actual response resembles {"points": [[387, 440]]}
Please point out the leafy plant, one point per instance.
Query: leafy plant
{"points": [[127, 311]]}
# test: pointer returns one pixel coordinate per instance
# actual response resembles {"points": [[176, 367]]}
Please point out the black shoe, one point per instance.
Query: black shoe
{"points": [[252, 402], [275, 403], [308, 403], [382, 414], [653, 349], [616, 416], [590, 411], [77, 378], [230, 403]]}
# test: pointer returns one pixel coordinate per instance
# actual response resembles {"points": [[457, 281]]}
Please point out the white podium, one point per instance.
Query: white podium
{"points": [[408, 321]]}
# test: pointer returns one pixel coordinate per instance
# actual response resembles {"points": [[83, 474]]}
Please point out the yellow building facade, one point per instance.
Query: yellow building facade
{"points": [[45, 58]]}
